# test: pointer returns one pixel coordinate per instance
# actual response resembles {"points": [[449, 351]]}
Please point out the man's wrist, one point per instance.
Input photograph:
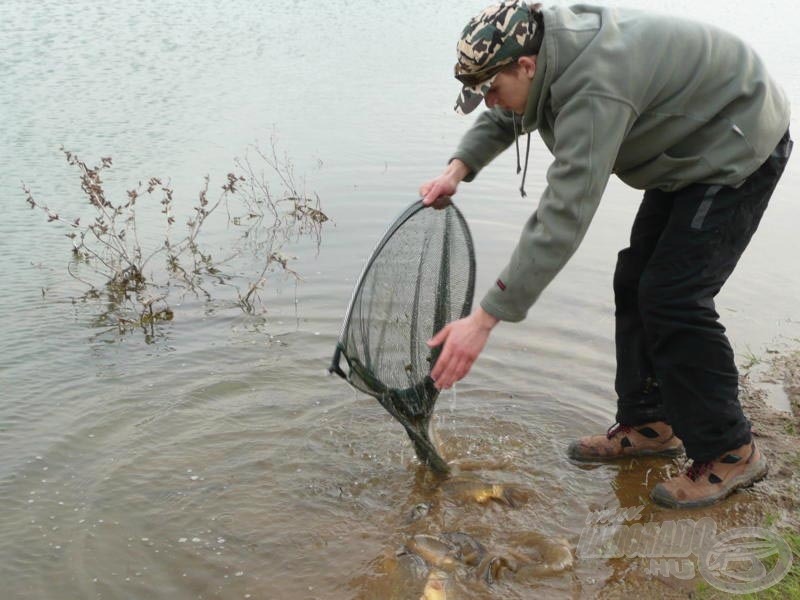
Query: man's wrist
{"points": [[457, 169], [484, 319]]}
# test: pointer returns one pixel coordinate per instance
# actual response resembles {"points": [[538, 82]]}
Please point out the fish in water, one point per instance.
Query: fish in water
{"points": [[492, 567], [412, 564], [526, 555], [468, 489], [554, 557], [434, 551], [436, 586], [417, 512], [550, 556], [448, 550]]}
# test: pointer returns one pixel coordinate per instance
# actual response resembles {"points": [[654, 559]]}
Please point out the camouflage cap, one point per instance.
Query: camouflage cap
{"points": [[490, 42]]}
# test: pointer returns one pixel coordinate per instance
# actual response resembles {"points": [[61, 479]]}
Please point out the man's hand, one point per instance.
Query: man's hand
{"points": [[463, 341], [445, 184]]}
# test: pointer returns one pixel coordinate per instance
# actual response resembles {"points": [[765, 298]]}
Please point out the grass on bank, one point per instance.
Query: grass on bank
{"points": [[786, 588]]}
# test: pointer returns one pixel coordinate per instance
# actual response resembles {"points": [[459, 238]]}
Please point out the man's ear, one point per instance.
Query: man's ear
{"points": [[528, 64]]}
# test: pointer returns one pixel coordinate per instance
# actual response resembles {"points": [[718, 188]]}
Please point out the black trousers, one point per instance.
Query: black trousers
{"points": [[674, 362]]}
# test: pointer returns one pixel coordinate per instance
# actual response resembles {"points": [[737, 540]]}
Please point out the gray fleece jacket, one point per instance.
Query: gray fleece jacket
{"points": [[662, 102]]}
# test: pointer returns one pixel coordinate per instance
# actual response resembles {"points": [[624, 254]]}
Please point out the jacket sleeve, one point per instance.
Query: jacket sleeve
{"points": [[492, 132], [588, 132]]}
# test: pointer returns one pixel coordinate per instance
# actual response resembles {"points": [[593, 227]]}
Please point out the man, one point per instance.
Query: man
{"points": [[685, 112]]}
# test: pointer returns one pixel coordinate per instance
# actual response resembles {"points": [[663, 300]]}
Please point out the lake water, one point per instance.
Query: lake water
{"points": [[217, 459]]}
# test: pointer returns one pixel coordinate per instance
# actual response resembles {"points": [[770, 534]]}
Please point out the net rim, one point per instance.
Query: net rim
{"points": [[404, 216]]}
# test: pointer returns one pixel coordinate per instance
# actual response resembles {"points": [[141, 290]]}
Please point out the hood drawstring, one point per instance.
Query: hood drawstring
{"points": [[516, 139], [527, 155], [525, 171]]}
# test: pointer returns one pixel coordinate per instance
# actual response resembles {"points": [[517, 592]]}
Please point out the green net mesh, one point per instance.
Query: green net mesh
{"points": [[420, 277]]}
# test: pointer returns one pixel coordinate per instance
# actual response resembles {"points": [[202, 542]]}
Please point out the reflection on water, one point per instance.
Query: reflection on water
{"points": [[220, 461]]}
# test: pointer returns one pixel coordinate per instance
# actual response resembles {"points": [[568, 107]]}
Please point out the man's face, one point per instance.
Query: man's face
{"points": [[510, 87]]}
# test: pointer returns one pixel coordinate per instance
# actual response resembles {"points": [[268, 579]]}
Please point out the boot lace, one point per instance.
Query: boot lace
{"points": [[615, 429], [697, 469]]}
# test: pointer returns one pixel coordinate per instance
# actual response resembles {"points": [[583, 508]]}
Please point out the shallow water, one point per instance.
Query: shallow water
{"points": [[219, 460]]}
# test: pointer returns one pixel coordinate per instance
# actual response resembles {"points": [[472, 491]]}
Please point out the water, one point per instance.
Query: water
{"points": [[220, 461]]}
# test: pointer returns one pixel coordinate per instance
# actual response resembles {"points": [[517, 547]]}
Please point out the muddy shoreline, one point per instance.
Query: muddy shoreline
{"points": [[773, 503]]}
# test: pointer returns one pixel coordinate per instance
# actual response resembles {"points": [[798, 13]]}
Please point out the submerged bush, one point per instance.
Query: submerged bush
{"points": [[136, 280]]}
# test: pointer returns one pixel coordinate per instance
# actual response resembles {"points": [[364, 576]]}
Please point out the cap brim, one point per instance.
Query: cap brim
{"points": [[471, 96]]}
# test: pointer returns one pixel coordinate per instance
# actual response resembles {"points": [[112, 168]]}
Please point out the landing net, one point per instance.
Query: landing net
{"points": [[420, 277]]}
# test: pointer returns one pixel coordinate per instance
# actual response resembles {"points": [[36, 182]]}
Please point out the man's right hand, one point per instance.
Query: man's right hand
{"points": [[445, 184]]}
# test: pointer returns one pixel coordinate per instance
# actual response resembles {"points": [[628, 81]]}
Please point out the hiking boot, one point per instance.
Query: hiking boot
{"points": [[706, 483], [623, 441]]}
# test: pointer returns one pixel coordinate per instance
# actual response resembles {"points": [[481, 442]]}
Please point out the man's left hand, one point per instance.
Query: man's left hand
{"points": [[463, 342]]}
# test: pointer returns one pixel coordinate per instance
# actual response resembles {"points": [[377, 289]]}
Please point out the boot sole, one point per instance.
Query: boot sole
{"points": [[743, 481], [572, 452]]}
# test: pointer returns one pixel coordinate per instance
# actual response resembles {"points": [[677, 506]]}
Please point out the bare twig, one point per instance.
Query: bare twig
{"points": [[107, 246]]}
